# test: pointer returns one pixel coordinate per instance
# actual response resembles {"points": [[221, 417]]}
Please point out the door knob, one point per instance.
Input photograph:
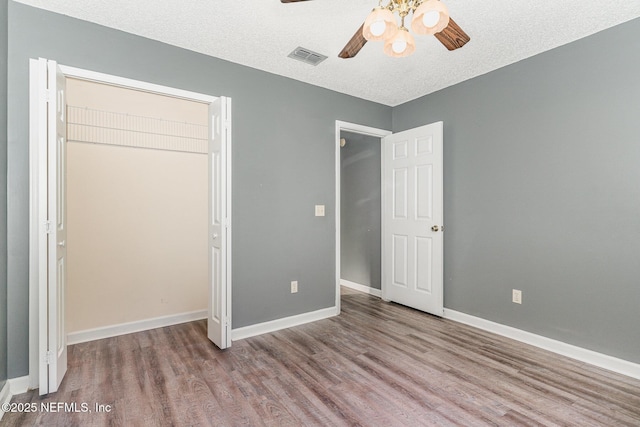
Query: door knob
{"points": [[435, 228]]}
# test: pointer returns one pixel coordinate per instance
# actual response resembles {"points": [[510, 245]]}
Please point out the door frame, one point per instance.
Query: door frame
{"points": [[38, 192], [362, 130]]}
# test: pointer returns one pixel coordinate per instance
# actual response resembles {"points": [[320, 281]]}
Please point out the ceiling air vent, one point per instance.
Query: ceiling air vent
{"points": [[306, 55]]}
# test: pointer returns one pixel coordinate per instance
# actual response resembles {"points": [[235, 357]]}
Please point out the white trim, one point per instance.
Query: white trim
{"points": [[362, 288], [11, 388], [5, 397], [18, 385], [229, 228], [582, 354], [363, 130], [287, 322], [131, 327], [37, 213], [94, 76]]}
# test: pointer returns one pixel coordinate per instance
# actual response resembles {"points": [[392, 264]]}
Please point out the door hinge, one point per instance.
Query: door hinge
{"points": [[227, 321], [48, 358], [47, 227], [47, 95]]}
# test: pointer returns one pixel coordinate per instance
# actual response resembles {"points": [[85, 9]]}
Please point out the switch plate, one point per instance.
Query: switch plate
{"points": [[516, 296], [319, 210], [294, 286]]}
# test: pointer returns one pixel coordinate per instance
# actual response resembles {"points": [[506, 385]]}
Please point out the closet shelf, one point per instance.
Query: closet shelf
{"points": [[127, 130]]}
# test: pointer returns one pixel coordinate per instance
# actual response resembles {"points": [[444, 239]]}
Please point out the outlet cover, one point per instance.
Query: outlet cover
{"points": [[294, 286], [516, 296], [319, 210]]}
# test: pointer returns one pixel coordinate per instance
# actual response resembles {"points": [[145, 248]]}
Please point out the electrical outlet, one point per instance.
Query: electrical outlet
{"points": [[516, 296], [294, 286], [319, 210]]}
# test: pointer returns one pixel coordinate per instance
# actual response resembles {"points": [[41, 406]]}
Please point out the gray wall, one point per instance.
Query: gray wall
{"points": [[542, 191], [3, 192], [360, 190], [283, 162]]}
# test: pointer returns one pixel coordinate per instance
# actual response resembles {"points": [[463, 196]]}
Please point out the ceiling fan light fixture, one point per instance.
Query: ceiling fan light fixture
{"points": [[430, 17], [400, 45], [380, 25]]}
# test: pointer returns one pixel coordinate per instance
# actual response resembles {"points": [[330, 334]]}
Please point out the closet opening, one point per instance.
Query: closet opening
{"points": [[136, 209], [130, 212]]}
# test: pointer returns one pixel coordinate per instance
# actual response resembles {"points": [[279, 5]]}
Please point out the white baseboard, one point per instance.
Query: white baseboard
{"points": [[287, 322], [131, 327], [12, 387], [5, 397], [19, 385], [362, 288], [582, 354]]}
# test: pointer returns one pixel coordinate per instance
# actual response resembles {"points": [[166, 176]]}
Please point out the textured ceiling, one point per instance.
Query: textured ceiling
{"points": [[263, 32]]}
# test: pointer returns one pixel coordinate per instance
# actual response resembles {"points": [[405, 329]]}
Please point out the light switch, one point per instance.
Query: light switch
{"points": [[319, 210]]}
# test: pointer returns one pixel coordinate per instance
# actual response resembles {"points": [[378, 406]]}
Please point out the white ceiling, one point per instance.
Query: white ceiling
{"points": [[261, 33]]}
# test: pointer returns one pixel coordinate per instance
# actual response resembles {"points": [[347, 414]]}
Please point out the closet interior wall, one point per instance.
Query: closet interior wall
{"points": [[137, 175]]}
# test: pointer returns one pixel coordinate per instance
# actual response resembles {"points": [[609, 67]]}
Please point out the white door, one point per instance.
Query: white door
{"points": [[53, 363], [219, 322], [412, 238]]}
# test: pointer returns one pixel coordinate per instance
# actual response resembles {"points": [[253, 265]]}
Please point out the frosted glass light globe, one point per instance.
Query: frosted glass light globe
{"points": [[431, 18], [399, 46], [378, 27], [402, 44]]}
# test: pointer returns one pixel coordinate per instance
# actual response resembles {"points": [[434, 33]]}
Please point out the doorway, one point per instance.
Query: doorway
{"points": [[355, 168], [360, 212], [411, 261], [49, 116]]}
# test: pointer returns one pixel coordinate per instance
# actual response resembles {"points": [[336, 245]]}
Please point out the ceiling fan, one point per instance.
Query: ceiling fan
{"points": [[429, 17]]}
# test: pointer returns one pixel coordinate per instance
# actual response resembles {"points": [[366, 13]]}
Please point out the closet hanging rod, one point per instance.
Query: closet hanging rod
{"points": [[138, 131], [141, 147]]}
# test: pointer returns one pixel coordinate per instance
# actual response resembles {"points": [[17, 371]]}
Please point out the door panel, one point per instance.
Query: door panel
{"points": [[400, 149], [218, 323], [400, 193], [56, 352], [424, 264], [413, 250], [399, 253], [424, 195]]}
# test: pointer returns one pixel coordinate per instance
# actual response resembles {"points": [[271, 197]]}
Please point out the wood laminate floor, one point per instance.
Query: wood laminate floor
{"points": [[377, 364]]}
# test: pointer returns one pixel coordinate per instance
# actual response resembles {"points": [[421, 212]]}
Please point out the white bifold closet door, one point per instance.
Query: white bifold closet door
{"points": [[56, 351], [218, 319]]}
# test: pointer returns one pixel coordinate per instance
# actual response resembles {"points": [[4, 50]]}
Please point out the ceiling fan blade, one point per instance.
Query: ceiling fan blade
{"points": [[354, 45], [290, 1], [452, 37]]}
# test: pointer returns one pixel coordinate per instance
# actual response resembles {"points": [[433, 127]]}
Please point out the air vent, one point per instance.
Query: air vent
{"points": [[306, 55]]}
